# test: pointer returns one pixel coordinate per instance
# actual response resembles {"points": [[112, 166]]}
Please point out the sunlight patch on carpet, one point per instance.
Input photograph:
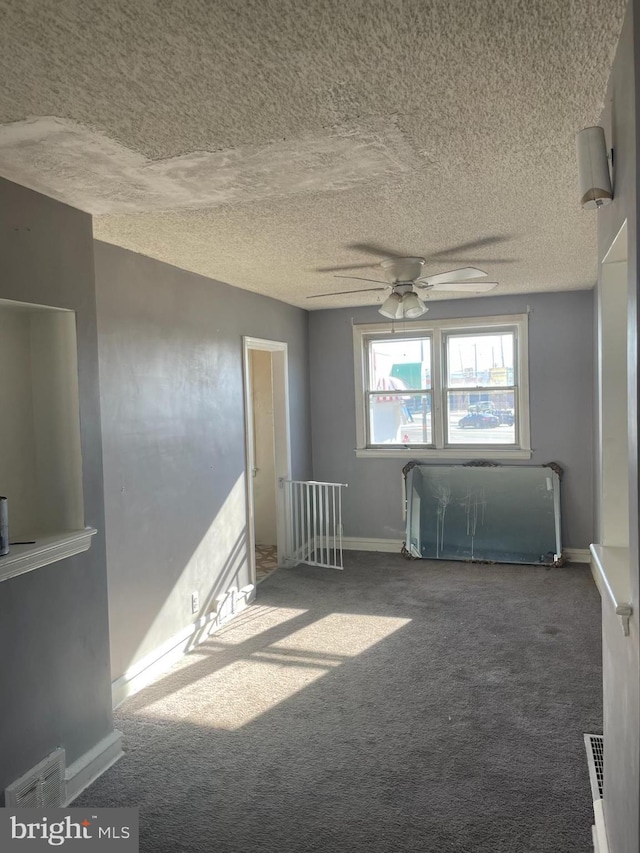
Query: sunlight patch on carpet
{"points": [[250, 624], [267, 675]]}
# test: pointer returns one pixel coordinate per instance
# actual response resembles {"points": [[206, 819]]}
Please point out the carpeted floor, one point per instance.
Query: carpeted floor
{"points": [[396, 706]]}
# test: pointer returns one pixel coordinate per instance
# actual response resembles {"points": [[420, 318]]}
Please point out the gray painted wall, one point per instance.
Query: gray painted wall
{"points": [[621, 660], [170, 347], [54, 672], [561, 397]]}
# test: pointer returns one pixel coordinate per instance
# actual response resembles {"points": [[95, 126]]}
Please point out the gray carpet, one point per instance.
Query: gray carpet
{"points": [[397, 706]]}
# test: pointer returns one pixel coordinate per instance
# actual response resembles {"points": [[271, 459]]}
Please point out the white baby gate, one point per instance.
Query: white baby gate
{"points": [[314, 523]]}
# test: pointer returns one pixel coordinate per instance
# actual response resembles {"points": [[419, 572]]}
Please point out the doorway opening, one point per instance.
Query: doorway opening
{"points": [[268, 455]]}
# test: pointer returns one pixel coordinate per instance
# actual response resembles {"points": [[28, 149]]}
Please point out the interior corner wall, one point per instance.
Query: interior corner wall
{"points": [[54, 672], [621, 655], [561, 403], [170, 345]]}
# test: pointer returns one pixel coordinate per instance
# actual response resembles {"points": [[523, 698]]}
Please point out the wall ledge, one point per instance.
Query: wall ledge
{"points": [[46, 550]]}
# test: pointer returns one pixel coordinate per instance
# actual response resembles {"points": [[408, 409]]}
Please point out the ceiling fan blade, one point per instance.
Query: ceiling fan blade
{"points": [[478, 260], [344, 292], [351, 267], [465, 286], [375, 249], [359, 278], [472, 244], [453, 275]]}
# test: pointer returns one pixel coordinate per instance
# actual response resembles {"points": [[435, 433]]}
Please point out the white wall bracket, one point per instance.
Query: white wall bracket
{"points": [[610, 569], [624, 611]]}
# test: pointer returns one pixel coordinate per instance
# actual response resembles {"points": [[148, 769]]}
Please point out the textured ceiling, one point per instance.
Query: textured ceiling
{"points": [[254, 141]]}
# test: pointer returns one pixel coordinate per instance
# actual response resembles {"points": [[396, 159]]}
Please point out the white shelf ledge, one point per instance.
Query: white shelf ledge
{"points": [[611, 571], [46, 550]]}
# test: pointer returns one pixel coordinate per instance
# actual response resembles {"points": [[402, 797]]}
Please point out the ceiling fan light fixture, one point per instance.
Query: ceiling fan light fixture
{"points": [[392, 307], [413, 307]]}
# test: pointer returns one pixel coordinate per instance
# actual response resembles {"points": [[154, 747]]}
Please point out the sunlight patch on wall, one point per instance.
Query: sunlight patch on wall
{"points": [[218, 563]]}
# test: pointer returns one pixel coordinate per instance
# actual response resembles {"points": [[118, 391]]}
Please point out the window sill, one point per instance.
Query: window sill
{"points": [[48, 549], [448, 453]]}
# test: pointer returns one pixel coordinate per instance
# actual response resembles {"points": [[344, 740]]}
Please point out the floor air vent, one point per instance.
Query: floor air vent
{"points": [[595, 759], [42, 787]]}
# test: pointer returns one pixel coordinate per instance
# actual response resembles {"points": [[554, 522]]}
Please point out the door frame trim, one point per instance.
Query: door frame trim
{"points": [[282, 436]]}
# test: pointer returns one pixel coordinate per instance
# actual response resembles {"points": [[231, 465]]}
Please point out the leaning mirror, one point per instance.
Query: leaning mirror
{"points": [[496, 513]]}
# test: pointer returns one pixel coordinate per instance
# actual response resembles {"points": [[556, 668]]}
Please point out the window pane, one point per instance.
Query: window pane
{"points": [[398, 419], [481, 417], [480, 360], [400, 364]]}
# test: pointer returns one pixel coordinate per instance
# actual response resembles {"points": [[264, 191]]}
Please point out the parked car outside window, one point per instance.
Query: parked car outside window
{"points": [[479, 420]]}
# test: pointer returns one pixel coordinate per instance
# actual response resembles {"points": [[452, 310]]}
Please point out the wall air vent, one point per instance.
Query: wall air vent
{"points": [[595, 758], [594, 745], [42, 787]]}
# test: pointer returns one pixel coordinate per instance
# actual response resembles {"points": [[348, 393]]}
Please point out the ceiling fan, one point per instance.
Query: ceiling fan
{"points": [[405, 277]]}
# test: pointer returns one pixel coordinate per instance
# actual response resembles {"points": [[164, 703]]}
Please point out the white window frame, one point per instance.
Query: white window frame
{"points": [[438, 330]]}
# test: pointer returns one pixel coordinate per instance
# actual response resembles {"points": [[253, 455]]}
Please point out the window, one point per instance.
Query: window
{"points": [[445, 389]]}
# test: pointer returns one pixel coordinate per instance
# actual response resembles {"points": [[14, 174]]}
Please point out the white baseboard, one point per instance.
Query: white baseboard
{"points": [[354, 543], [600, 843], [92, 764], [577, 555], [157, 662]]}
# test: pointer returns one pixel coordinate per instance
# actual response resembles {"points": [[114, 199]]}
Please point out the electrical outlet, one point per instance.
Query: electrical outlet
{"points": [[195, 602]]}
